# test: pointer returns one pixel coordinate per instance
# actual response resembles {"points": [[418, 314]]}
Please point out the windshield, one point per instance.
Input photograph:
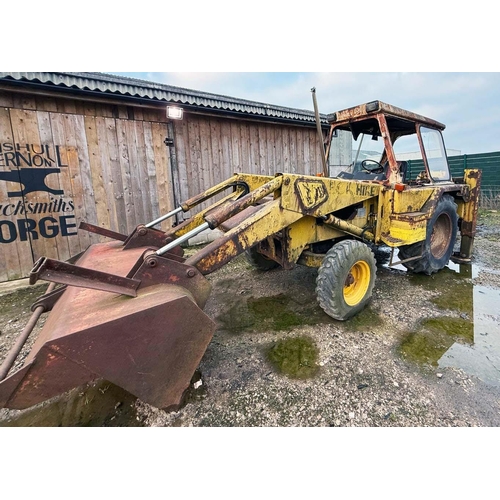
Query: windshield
{"points": [[362, 149], [367, 149], [435, 154], [347, 154]]}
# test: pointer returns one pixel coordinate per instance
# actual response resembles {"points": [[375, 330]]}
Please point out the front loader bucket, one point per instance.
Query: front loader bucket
{"points": [[149, 344]]}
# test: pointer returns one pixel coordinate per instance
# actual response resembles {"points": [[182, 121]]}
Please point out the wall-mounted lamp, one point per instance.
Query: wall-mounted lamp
{"points": [[174, 113]]}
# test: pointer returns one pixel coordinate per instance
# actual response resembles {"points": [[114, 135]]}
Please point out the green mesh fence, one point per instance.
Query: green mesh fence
{"points": [[489, 163]]}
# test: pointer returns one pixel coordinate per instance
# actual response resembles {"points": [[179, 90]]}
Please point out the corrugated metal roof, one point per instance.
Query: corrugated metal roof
{"points": [[142, 89]]}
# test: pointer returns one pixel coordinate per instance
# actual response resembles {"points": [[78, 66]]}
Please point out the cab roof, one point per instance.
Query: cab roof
{"points": [[361, 119]]}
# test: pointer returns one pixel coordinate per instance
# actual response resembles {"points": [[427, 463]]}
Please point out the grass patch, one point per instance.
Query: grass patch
{"points": [[364, 321], [278, 312], [295, 357]]}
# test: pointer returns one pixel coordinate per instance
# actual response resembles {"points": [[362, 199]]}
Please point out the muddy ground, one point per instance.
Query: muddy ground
{"points": [[424, 353]]}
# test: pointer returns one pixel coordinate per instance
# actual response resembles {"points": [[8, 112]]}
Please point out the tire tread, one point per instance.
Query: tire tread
{"points": [[331, 276]]}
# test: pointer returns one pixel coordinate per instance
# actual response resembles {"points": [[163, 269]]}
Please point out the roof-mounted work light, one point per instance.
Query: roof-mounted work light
{"points": [[174, 113]]}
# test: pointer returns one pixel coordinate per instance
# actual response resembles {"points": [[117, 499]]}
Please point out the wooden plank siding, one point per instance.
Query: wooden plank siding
{"points": [[210, 150], [113, 171], [11, 263], [114, 168]]}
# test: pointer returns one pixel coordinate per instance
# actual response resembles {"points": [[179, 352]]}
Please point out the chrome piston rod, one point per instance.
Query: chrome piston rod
{"points": [[163, 217], [182, 239]]}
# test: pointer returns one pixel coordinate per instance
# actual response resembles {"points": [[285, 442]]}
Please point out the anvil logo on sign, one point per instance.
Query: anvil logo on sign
{"points": [[30, 165], [33, 179]]}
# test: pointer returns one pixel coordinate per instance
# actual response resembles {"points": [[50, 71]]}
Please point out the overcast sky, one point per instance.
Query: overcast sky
{"points": [[467, 103], [425, 44]]}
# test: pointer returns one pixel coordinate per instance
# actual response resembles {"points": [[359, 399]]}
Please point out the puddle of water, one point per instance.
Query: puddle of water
{"points": [[481, 357], [98, 405], [282, 312], [468, 335], [434, 337], [278, 312]]}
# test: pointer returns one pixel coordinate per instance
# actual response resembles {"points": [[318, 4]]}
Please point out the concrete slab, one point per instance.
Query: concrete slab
{"points": [[12, 286]]}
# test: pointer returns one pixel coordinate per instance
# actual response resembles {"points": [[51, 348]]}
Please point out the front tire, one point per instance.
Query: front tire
{"points": [[440, 239], [346, 279]]}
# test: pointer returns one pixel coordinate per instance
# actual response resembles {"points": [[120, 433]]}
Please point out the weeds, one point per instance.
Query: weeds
{"points": [[490, 198]]}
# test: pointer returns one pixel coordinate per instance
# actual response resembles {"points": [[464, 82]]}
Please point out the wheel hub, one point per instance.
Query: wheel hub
{"points": [[440, 237], [356, 283]]}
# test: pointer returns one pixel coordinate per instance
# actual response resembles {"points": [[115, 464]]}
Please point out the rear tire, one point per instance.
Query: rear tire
{"points": [[438, 246], [346, 279], [259, 261]]}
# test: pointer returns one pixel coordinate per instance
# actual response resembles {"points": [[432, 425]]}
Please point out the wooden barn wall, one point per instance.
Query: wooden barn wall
{"points": [[107, 164], [211, 149], [99, 163]]}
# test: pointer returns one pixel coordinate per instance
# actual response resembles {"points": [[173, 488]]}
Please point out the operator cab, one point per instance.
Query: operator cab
{"points": [[384, 139]]}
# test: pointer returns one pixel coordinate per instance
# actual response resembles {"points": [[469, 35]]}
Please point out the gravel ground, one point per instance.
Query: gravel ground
{"points": [[379, 369]]}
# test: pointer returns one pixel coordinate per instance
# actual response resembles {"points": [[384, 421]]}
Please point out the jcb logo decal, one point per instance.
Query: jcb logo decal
{"points": [[311, 193]]}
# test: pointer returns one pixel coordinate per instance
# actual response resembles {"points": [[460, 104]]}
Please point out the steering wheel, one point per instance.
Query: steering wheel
{"points": [[378, 169]]}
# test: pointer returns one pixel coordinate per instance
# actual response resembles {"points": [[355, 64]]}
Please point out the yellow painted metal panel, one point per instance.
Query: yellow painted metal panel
{"points": [[321, 196], [411, 200], [406, 232]]}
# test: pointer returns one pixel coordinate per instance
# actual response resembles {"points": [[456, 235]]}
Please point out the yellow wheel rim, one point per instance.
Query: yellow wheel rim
{"points": [[357, 283]]}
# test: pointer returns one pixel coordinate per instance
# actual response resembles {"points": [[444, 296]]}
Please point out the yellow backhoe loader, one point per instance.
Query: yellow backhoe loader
{"points": [[130, 310]]}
